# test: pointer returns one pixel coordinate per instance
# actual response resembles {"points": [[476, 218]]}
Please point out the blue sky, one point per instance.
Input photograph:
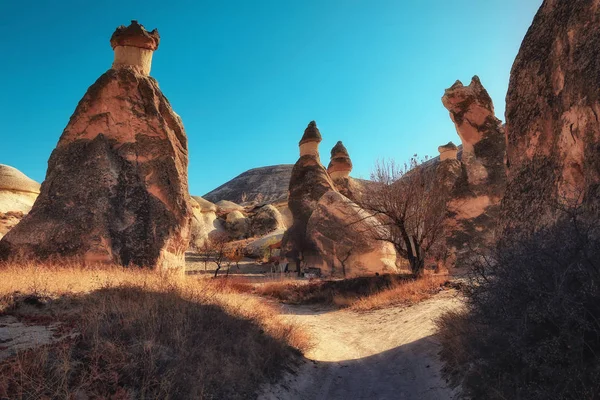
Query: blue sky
{"points": [[247, 76]]}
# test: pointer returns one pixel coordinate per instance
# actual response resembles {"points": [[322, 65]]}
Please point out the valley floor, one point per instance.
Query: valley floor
{"points": [[382, 354]]}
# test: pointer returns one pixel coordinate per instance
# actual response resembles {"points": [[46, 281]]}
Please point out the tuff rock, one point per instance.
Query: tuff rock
{"points": [[17, 195], [552, 116], [116, 187]]}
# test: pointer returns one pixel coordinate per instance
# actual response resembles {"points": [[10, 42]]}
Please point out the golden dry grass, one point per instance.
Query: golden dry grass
{"points": [[141, 334], [359, 294], [405, 293]]}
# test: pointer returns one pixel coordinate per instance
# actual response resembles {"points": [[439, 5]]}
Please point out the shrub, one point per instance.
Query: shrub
{"points": [[531, 325]]}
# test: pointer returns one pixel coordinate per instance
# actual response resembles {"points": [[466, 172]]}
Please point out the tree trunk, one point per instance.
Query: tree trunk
{"points": [[217, 270]]}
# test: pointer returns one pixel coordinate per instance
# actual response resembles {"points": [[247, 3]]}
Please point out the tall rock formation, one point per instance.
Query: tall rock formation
{"points": [[339, 170], [308, 183], [116, 187], [329, 230], [552, 114], [479, 179]]}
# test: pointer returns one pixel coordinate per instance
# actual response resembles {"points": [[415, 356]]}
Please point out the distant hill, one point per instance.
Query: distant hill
{"points": [[270, 182]]}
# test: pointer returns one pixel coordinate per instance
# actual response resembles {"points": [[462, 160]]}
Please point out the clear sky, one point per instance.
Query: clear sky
{"points": [[247, 76]]}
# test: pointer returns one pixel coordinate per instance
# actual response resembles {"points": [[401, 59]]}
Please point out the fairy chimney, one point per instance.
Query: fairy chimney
{"points": [[133, 46], [340, 165], [448, 151], [309, 144]]}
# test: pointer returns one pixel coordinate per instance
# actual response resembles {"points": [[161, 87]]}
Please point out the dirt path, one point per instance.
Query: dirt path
{"points": [[383, 354]]}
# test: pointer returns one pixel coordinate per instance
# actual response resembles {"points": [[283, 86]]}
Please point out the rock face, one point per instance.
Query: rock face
{"points": [[17, 195], [237, 225], [478, 179], [322, 232], [338, 229], [308, 183], [264, 185], [116, 187], [266, 220], [225, 207], [552, 114], [204, 222], [339, 170]]}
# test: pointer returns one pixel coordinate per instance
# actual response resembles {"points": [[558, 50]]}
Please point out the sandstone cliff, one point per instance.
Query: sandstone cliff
{"points": [[116, 187], [552, 114]]}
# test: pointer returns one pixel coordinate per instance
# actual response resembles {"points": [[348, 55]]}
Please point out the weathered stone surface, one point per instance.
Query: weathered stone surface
{"points": [[478, 176], [133, 46], [205, 223], [237, 225], [340, 229], [267, 219], [260, 247], [308, 183], [265, 185], [225, 207], [339, 170], [17, 195], [552, 114], [116, 187], [448, 151]]}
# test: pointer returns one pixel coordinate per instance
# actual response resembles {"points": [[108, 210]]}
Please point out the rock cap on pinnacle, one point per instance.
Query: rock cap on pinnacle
{"points": [[339, 150], [447, 147], [135, 35], [311, 134]]}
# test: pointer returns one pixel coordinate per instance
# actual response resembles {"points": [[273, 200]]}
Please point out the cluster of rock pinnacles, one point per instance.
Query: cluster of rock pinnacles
{"points": [[116, 188]]}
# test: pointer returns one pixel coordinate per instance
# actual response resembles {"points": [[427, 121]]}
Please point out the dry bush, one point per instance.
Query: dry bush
{"points": [[361, 293], [142, 334], [531, 326], [406, 293]]}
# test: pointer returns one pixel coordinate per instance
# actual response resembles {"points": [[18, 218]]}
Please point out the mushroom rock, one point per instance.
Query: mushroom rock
{"points": [[448, 151], [17, 195], [204, 222], [339, 170], [339, 229], [478, 180], [552, 114], [481, 133], [116, 188], [308, 183]]}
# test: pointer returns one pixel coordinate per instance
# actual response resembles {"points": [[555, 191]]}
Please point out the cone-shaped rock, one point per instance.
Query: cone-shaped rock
{"points": [[553, 113], [116, 187], [339, 170], [308, 183]]}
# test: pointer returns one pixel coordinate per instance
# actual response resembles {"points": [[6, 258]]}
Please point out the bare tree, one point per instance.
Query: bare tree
{"points": [[234, 254], [218, 249], [410, 202]]}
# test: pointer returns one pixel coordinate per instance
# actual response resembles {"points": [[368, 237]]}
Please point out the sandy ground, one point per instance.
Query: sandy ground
{"points": [[383, 354], [16, 336]]}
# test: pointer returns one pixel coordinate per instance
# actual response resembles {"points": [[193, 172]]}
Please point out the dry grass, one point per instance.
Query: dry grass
{"points": [[359, 294], [406, 293], [141, 334]]}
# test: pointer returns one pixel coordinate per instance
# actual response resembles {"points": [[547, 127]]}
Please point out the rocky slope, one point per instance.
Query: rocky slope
{"points": [[267, 184], [116, 187], [17, 195]]}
